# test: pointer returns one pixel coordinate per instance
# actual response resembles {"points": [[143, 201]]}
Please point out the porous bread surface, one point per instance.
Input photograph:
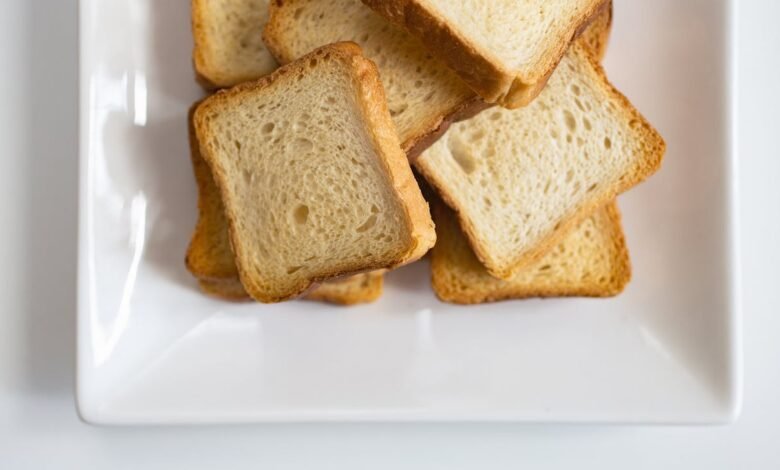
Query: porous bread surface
{"points": [[229, 47], [591, 261], [504, 49], [313, 179], [422, 92], [210, 257], [520, 180]]}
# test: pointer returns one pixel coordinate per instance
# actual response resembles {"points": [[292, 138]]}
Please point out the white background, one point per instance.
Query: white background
{"points": [[38, 424]]}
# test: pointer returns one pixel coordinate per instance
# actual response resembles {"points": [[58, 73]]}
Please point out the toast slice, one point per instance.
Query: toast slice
{"points": [[210, 258], [229, 47], [521, 180], [591, 261], [423, 94], [312, 176], [504, 49]]}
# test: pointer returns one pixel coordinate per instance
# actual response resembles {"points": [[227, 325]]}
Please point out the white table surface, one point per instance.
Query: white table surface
{"points": [[38, 424]]}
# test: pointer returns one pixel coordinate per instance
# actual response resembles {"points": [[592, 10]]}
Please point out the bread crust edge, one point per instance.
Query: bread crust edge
{"points": [[621, 261]]}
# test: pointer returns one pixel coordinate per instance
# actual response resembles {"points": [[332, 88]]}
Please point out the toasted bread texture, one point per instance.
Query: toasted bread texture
{"points": [[504, 49], [596, 36], [591, 261], [521, 180], [210, 258], [312, 176], [228, 41], [423, 94]]}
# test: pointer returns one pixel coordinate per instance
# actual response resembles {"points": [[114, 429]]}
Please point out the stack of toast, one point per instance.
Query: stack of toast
{"points": [[328, 117]]}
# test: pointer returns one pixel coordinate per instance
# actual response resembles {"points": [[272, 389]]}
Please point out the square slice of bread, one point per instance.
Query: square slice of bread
{"points": [[312, 176], [210, 258], [591, 261], [228, 37], [520, 180], [423, 94], [504, 49]]}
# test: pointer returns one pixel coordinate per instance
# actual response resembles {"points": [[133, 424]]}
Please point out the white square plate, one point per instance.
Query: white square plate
{"points": [[153, 349]]}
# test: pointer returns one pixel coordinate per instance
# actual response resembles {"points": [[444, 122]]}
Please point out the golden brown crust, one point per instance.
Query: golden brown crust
{"points": [[596, 35], [621, 259], [483, 74], [451, 285], [199, 44], [207, 76], [379, 125], [421, 229], [416, 145], [272, 32]]}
